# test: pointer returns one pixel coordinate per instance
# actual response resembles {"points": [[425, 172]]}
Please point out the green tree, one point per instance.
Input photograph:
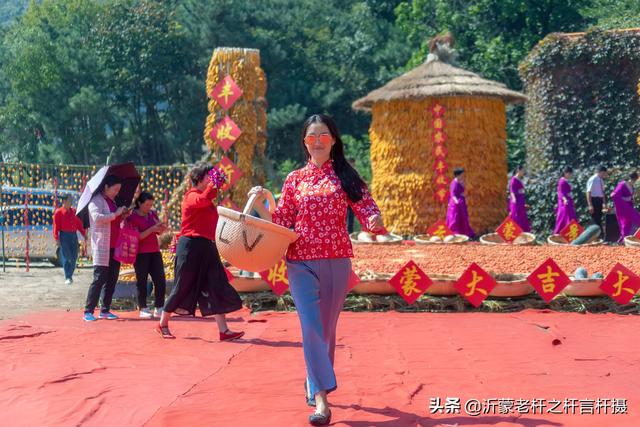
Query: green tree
{"points": [[149, 67], [492, 37], [51, 110], [318, 56]]}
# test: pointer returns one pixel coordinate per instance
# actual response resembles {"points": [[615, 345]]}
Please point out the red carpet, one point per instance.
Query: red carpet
{"points": [[56, 370]]}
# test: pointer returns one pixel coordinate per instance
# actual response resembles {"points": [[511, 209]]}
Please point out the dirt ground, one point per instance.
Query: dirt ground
{"points": [[42, 288]]}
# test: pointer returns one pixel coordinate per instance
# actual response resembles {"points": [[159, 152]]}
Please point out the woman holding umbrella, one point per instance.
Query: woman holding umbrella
{"points": [[104, 220]]}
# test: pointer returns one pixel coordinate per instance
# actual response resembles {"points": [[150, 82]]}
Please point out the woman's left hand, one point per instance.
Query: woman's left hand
{"points": [[376, 225]]}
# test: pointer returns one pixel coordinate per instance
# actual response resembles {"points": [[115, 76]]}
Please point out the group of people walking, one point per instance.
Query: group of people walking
{"points": [[622, 197], [314, 203]]}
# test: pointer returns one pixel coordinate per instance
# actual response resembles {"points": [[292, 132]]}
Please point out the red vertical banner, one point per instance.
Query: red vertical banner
{"points": [[26, 227], [439, 151]]}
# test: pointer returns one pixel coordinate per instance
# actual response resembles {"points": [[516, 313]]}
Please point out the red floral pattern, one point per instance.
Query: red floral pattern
{"points": [[315, 205]]}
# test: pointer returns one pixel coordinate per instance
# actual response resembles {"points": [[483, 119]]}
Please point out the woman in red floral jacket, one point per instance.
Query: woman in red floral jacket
{"points": [[314, 203]]}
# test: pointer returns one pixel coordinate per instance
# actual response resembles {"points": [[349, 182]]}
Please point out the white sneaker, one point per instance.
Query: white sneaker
{"points": [[68, 281], [145, 313], [157, 312]]}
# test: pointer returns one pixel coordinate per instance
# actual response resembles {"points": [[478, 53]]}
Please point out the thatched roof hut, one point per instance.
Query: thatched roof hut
{"points": [[425, 123], [435, 78]]}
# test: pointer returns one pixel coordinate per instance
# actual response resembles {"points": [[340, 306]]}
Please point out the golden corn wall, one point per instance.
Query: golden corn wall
{"points": [[248, 112], [402, 160]]}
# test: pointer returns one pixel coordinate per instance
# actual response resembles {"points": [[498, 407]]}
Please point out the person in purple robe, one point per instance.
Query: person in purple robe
{"points": [[517, 200], [565, 212], [628, 217], [457, 214]]}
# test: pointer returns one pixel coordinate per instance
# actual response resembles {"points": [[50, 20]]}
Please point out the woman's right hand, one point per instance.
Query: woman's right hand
{"points": [[259, 191]]}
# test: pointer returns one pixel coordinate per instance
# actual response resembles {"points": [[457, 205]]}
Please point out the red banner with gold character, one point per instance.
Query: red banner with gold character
{"points": [[571, 231], [277, 277], [230, 170], [226, 92], [548, 280], [621, 284], [475, 284], [509, 230], [226, 133], [410, 282]]}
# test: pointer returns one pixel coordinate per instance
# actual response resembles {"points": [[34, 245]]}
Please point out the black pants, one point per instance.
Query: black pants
{"points": [[200, 280], [104, 282], [596, 216], [150, 264]]}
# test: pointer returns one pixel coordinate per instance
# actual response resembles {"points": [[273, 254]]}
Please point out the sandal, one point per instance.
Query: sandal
{"points": [[316, 419], [164, 332]]}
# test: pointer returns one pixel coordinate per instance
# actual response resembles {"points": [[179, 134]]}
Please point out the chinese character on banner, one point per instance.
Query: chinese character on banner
{"points": [[438, 123], [228, 203], [437, 110], [475, 284], [509, 230], [440, 166], [353, 280], [439, 151], [410, 282], [439, 229], [441, 194], [621, 284], [225, 133], [277, 277], [439, 137], [226, 92], [548, 280], [230, 170], [571, 231], [441, 181]]}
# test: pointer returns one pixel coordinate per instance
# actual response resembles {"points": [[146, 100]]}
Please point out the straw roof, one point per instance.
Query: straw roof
{"points": [[436, 78]]}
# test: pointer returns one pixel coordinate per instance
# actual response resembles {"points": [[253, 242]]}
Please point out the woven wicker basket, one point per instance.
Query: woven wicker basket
{"points": [[251, 243], [423, 239], [495, 239], [632, 242], [558, 240]]}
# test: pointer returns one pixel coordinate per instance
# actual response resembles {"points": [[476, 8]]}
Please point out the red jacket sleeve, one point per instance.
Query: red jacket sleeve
{"points": [[202, 200], [56, 224]]}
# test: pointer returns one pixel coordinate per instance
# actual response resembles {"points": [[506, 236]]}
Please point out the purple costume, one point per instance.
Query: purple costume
{"points": [[566, 212], [517, 209], [628, 217], [457, 214]]}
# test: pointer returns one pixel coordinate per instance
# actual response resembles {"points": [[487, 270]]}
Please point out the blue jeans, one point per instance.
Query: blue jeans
{"points": [[68, 252], [319, 288]]}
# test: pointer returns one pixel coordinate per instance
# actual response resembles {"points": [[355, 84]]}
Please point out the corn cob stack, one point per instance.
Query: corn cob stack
{"points": [[248, 112], [402, 160]]}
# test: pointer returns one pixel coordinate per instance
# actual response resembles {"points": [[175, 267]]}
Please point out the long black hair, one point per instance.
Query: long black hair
{"points": [[143, 197], [350, 180]]}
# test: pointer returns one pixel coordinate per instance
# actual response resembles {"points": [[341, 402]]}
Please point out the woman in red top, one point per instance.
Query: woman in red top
{"points": [[149, 259], [65, 227], [314, 203], [200, 279]]}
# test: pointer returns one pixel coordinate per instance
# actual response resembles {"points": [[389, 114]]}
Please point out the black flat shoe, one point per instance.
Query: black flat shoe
{"points": [[311, 401], [319, 419]]}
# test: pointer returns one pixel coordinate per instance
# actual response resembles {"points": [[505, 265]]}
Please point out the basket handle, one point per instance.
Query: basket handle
{"points": [[252, 200]]}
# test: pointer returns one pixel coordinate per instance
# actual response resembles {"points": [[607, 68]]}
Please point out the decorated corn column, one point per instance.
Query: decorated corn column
{"points": [[235, 130], [424, 124], [412, 167]]}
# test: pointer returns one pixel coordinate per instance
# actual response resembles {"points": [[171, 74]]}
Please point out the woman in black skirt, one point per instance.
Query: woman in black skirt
{"points": [[200, 279]]}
